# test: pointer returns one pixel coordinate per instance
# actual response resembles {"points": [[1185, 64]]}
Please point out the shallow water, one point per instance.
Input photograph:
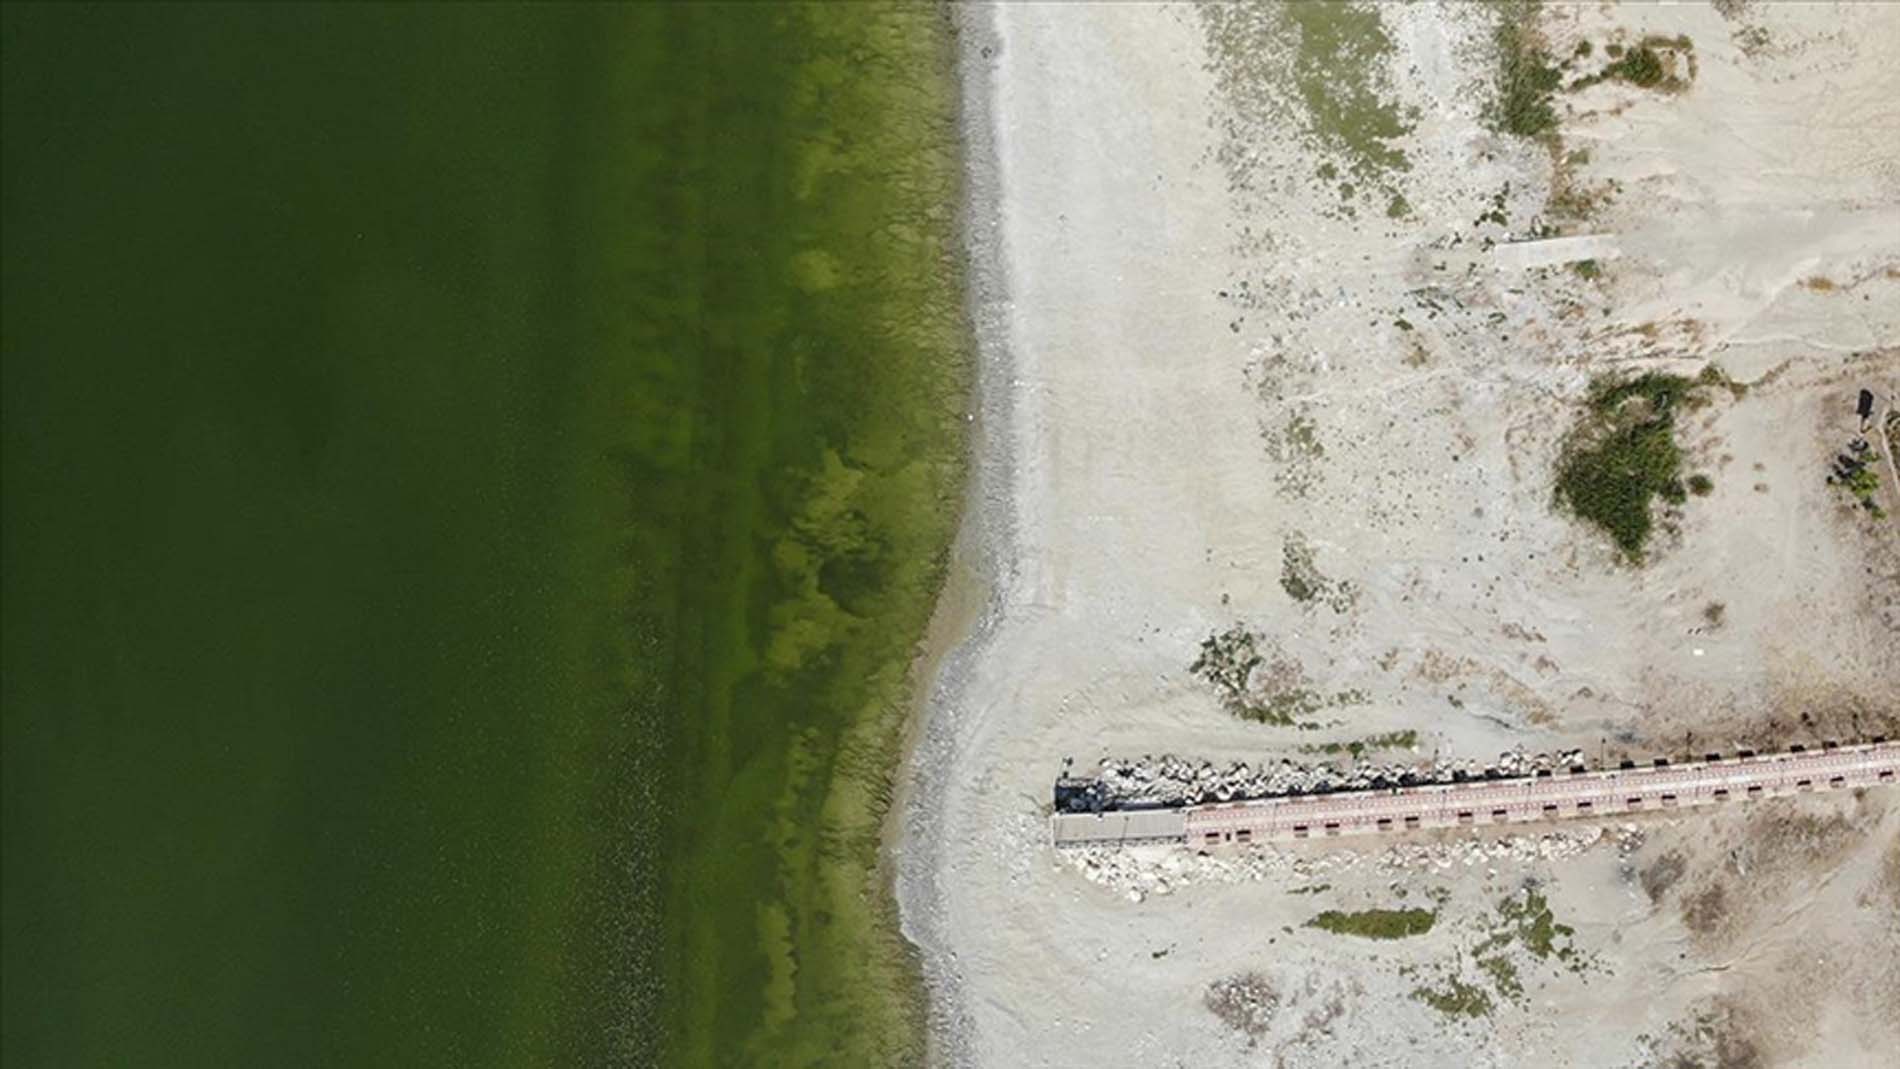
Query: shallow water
{"points": [[473, 478]]}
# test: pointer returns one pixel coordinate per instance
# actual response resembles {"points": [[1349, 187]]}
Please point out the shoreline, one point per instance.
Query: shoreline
{"points": [[1217, 402], [974, 596]]}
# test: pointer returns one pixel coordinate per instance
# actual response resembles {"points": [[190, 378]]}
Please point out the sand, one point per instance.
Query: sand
{"points": [[1211, 379]]}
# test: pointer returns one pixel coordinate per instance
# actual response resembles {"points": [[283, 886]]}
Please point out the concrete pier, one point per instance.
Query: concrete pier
{"points": [[1544, 797]]}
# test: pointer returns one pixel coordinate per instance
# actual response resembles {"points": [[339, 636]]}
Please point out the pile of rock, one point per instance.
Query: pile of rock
{"points": [[1174, 781], [1138, 872]]}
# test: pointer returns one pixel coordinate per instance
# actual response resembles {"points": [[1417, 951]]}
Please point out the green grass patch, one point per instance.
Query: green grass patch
{"points": [[1863, 483], [1456, 999], [1527, 80], [1302, 580], [1287, 706], [1528, 920], [1653, 63], [1623, 455], [1319, 66], [1277, 695], [1299, 575], [1335, 70], [1227, 660], [1503, 974], [1661, 391], [1376, 923], [1641, 66], [1525, 920], [1396, 740], [1864, 486]]}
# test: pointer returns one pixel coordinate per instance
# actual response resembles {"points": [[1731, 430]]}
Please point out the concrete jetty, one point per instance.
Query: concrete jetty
{"points": [[1546, 795]]}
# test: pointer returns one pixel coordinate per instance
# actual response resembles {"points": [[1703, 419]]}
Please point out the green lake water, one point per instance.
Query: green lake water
{"points": [[474, 480]]}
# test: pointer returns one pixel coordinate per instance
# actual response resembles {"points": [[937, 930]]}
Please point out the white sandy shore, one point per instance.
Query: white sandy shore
{"points": [[1165, 296]]}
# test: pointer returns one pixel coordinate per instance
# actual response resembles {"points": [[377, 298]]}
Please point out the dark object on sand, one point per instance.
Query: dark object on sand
{"points": [[1866, 406]]}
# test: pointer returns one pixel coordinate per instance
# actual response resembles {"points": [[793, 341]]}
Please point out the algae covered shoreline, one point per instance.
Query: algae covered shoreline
{"points": [[857, 556], [473, 500]]}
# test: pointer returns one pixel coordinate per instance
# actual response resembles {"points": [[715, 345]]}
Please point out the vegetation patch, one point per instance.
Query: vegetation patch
{"points": [[1300, 577], [1859, 481], [1623, 454], [1524, 924], [1753, 41], [1296, 447], [1227, 661], [1336, 71], [1665, 64], [1302, 436], [1573, 199], [1294, 705], [1456, 999], [1244, 1003], [1527, 920], [1321, 66], [1855, 471], [1527, 80], [1503, 974], [1524, 104], [1376, 923], [1395, 740], [1257, 681]]}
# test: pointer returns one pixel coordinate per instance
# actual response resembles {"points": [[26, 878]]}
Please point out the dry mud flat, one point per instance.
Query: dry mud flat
{"points": [[1269, 362]]}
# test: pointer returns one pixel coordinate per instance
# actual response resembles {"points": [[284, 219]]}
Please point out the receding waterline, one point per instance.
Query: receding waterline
{"points": [[474, 481]]}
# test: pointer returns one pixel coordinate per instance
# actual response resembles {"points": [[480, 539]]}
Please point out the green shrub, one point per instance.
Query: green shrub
{"points": [[1624, 454], [1456, 999], [1536, 927], [1863, 483], [1662, 391], [1641, 66], [1376, 923], [1647, 65], [1503, 973], [1527, 80]]}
